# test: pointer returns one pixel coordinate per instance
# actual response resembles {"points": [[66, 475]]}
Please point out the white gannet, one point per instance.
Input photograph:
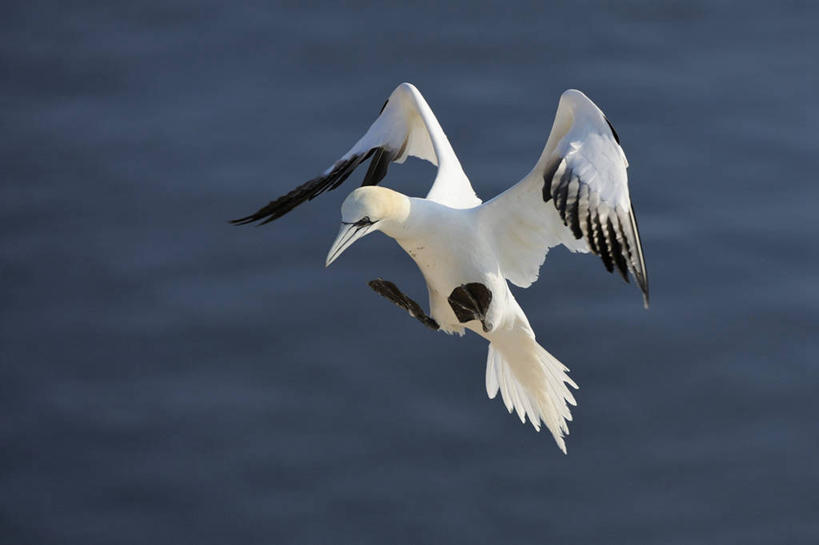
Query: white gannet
{"points": [[576, 195]]}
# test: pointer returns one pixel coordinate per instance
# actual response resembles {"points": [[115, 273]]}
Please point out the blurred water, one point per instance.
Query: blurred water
{"points": [[167, 378]]}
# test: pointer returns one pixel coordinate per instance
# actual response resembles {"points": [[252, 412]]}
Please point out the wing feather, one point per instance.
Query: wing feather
{"points": [[405, 127], [585, 203]]}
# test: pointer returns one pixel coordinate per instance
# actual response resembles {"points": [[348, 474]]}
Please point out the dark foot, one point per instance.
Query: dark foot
{"points": [[471, 302], [391, 292]]}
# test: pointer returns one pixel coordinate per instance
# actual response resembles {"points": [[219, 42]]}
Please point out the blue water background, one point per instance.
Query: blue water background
{"points": [[166, 378]]}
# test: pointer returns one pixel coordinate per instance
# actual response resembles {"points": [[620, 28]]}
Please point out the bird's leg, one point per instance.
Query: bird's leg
{"points": [[389, 290], [471, 302]]}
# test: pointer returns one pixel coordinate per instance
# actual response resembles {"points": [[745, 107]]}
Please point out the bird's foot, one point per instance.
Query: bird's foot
{"points": [[389, 290], [471, 302]]}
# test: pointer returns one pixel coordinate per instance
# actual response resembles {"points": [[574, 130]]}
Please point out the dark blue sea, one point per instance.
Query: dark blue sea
{"points": [[167, 378]]}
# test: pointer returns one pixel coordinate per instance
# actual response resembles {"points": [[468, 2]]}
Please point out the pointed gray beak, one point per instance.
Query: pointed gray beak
{"points": [[349, 233]]}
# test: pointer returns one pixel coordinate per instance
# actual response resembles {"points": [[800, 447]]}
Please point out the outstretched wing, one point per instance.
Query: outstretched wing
{"points": [[405, 127], [576, 195]]}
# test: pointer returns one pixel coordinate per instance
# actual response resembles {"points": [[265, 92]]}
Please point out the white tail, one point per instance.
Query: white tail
{"points": [[532, 382]]}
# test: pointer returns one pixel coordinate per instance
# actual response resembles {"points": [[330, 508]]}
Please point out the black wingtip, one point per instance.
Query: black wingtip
{"points": [[613, 132], [315, 187], [642, 281], [242, 221], [378, 166], [256, 216], [642, 269]]}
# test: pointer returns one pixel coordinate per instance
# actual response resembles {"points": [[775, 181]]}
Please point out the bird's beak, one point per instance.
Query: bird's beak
{"points": [[349, 233]]}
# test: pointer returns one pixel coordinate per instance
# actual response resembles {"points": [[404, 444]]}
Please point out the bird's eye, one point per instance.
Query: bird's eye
{"points": [[360, 223]]}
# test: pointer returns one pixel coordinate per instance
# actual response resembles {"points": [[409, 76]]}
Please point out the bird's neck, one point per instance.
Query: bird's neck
{"points": [[411, 219]]}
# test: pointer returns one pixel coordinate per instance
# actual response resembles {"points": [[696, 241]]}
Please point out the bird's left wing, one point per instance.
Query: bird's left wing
{"points": [[576, 195], [405, 127]]}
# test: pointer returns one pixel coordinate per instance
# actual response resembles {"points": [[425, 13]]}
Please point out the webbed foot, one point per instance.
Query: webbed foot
{"points": [[389, 290], [471, 302]]}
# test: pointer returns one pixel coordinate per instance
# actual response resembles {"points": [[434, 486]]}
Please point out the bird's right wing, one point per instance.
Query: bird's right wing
{"points": [[576, 195], [405, 127]]}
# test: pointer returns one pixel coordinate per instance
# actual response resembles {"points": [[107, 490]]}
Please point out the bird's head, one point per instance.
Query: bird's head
{"points": [[365, 210]]}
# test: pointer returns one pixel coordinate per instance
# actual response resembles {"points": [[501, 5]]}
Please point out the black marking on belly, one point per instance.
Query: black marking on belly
{"points": [[471, 302], [387, 289]]}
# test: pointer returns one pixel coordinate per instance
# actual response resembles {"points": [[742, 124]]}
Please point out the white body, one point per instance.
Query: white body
{"points": [[576, 195], [451, 248]]}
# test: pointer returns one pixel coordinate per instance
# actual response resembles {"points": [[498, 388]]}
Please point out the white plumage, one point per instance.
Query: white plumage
{"points": [[576, 195]]}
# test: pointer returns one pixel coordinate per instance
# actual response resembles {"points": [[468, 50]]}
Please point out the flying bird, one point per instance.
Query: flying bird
{"points": [[467, 250]]}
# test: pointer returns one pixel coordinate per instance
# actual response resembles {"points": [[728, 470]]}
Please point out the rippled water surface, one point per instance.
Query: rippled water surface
{"points": [[168, 378]]}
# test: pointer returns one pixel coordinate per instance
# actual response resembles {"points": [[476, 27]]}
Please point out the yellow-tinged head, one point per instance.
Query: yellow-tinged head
{"points": [[365, 210]]}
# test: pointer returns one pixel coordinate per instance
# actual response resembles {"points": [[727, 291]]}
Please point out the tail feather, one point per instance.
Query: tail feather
{"points": [[533, 383]]}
